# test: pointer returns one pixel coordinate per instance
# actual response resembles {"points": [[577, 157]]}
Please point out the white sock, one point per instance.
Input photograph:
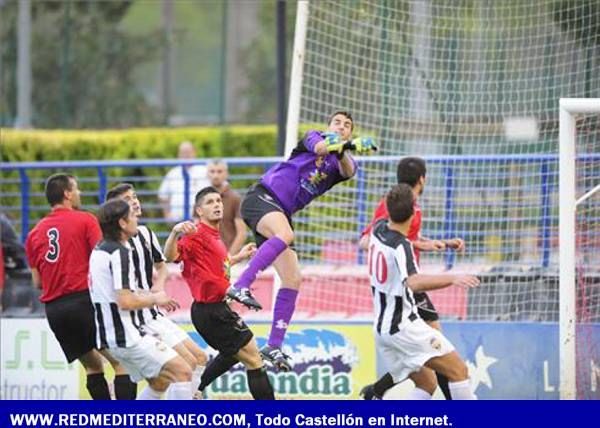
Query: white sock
{"points": [[179, 391], [196, 377], [418, 394], [461, 390], [149, 394]]}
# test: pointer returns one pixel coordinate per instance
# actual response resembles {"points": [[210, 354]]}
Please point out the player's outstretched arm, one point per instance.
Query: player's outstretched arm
{"points": [[246, 252], [171, 251], [131, 301], [424, 282]]}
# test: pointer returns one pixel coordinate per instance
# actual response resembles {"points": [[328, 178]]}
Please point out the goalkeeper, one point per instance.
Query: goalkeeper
{"points": [[319, 161]]}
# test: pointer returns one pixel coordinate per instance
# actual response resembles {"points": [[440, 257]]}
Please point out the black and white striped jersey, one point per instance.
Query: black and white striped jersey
{"points": [[391, 261], [145, 252], [111, 270]]}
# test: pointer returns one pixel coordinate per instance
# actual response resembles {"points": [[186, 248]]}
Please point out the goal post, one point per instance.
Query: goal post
{"points": [[569, 108]]}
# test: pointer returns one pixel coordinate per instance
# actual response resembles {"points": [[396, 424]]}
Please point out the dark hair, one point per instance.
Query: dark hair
{"points": [[118, 190], [56, 186], [109, 215], [410, 170], [343, 113], [400, 202], [202, 193]]}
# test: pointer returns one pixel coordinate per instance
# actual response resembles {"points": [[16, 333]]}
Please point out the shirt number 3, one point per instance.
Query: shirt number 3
{"points": [[53, 245]]}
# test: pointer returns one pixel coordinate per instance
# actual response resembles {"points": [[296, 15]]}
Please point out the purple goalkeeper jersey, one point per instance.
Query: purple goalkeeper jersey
{"points": [[298, 180]]}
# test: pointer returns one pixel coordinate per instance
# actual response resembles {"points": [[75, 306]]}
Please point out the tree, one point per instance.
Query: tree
{"points": [[83, 64]]}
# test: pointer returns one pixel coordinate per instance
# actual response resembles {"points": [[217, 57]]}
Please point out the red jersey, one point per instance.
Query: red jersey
{"points": [[414, 231], [59, 247], [205, 264]]}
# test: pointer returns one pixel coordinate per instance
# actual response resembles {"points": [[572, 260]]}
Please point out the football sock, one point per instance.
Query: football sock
{"points": [[215, 368], [418, 394], [148, 393], [196, 377], [259, 384], [285, 303], [97, 386], [125, 389], [383, 384], [461, 390], [179, 391]]}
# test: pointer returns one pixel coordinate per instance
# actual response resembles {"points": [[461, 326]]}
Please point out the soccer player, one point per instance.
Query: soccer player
{"points": [[206, 266], [58, 250], [319, 161], [117, 302], [412, 171], [146, 254], [405, 341]]}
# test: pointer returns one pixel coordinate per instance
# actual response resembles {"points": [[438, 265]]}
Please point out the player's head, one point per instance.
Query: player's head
{"points": [[62, 189], [412, 171], [208, 205], [341, 123], [217, 172], [400, 203], [126, 192], [186, 151], [117, 220]]}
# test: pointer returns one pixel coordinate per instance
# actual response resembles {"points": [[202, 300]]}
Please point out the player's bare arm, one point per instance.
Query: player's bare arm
{"points": [[129, 301], [162, 272], [35, 278], [424, 282], [246, 252], [183, 228]]}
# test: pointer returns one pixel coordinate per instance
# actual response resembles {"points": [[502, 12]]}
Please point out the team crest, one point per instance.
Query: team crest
{"points": [[435, 343]]}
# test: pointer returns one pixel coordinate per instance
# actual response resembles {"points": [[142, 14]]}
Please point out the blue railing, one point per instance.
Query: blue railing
{"points": [[451, 168]]}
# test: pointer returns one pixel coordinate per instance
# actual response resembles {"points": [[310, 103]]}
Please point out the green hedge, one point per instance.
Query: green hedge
{"points": [[151, 143]]}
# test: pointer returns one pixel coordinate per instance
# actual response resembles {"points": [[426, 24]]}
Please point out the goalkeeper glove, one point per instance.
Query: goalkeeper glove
{"points": [[334, 143], [363, 145]]}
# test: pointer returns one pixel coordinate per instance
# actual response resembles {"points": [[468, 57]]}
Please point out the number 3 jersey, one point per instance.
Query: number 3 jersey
{"points": [[391, 261], [59, 247]]}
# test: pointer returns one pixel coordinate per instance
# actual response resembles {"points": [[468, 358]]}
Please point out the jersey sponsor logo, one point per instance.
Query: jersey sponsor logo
{"points": [[53, 252]]}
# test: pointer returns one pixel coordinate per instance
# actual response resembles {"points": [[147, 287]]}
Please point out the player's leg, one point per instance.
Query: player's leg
{"points": [[274, 227], [288, 269], [125, 388], [96, 383], [442, 380], [215, 368], [454, 368], [425, 384], [429, 314], [258, 381], [71, 319]]}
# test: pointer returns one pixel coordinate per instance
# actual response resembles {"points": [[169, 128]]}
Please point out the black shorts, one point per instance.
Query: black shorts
{"points": [[425, 307], [71, 319], [257, 203], [220, 327]]}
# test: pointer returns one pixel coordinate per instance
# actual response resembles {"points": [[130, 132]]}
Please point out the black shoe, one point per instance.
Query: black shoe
{"points": [[368, 393], [276, 357], [244, 296]]}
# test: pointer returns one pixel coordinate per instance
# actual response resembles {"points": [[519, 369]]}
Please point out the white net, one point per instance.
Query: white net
{"points": [[472, 87], [587, 248]]}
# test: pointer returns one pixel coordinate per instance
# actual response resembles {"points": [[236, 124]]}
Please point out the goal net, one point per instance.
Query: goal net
{"points": [[472, 87]]}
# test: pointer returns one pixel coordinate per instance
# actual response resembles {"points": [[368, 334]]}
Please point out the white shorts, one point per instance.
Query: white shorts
{"points": [[408, 350], [145, 359], [166, 330]]}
